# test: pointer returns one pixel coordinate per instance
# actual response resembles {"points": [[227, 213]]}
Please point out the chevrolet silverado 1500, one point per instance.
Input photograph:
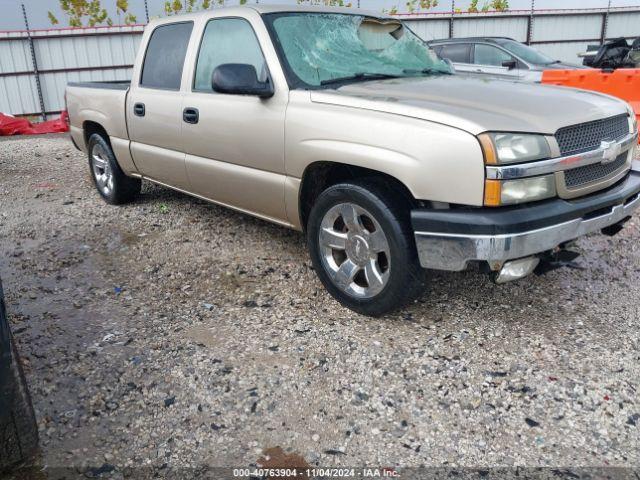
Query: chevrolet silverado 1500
{"points": [[348, 127]]}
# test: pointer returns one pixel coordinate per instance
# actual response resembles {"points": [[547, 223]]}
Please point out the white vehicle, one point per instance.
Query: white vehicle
{"points": [[497, 56]]}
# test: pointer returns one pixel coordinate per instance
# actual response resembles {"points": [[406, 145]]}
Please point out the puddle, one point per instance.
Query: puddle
{"points": [[277, 458]]}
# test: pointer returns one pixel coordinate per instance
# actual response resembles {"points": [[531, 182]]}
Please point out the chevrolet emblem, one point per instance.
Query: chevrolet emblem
{"points": [[610, 151]]}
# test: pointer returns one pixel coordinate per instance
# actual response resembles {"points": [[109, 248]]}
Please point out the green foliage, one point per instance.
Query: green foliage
{"points": [[326, 3], [175, 7], [500, 5], [495, 5], [52, 18], [82, 12], [418, 5], [122, 7], [90, 13]]}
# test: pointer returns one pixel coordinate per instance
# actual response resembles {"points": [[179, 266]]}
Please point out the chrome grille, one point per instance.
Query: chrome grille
{"points": [[587, 136], [578, 177]]}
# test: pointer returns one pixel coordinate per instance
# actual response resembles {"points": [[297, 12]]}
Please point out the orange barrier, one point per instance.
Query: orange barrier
{"points": [[623, 83]]}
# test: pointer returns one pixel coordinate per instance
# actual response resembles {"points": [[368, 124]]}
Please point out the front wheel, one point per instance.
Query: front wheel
{"points": [[362, 247]]}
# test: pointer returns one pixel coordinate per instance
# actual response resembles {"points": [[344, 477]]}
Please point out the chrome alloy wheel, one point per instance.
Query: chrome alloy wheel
{"points": [[101, 169], [354, 250]]}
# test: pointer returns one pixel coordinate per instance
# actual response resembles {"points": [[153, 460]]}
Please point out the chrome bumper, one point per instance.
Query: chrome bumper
{"points": [[445, 251]]}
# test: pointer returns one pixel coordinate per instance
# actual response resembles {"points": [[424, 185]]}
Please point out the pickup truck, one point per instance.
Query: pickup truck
{"points": [[347, 126]]}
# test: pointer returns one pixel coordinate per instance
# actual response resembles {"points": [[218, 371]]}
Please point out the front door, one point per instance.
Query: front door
{"points": [[234, 143], [154, 107], [494, 61]]}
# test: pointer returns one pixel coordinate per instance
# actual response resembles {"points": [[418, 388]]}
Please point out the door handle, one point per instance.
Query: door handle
{"points": [[190, 115], [138, 109]]}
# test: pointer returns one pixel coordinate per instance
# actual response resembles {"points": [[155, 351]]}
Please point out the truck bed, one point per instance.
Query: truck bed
{"points": [[101, 102], [110, 85]]}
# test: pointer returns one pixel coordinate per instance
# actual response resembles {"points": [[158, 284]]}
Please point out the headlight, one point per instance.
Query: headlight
{"points": [[501, 148], [511, 192]]}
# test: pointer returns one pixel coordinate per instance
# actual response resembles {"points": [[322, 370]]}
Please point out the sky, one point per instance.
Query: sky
{"points": [[11, 14]]}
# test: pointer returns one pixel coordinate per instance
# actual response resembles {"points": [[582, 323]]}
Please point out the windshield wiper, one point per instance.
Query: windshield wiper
{"points": [[426, 71], [358, 76]]}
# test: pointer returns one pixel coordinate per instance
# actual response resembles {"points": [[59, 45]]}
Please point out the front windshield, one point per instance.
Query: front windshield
{"points": [[526, 53], [321, 48]]}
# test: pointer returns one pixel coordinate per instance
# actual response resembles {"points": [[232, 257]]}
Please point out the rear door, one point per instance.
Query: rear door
{"points": [[491, 60], [459, 54], [154, 106]]}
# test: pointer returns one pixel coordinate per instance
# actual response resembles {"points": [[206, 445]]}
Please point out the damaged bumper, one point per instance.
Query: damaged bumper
{"points": [[451, 239]]}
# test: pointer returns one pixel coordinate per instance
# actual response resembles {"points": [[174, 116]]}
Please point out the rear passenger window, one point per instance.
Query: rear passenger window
{"points": [[227, 40], [164, 60], [457, 52]]}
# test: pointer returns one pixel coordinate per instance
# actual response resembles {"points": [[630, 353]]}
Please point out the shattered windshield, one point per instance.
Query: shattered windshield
{"points": [[327, 49]]}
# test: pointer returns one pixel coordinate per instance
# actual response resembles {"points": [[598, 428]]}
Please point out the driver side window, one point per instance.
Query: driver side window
{"points": [[488, 55], [227, 40]]}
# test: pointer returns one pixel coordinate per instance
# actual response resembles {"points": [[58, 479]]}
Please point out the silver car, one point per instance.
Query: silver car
{"points": [[497, 56]]}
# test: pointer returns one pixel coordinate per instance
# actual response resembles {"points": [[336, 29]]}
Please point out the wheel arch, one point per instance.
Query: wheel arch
{"points": [[320, 175], [119, 146], [89, 127]]}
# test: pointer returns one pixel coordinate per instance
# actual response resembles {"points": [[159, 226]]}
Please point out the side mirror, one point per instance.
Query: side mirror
{"points": [[240, 79], [510, 64]]}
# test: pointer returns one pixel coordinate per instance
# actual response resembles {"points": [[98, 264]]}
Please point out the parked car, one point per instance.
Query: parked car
{"points": [[497, 56], [18, 431], [348, 127]]}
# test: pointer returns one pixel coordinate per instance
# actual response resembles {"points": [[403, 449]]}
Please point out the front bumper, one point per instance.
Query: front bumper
{"points": [[451, 239]]}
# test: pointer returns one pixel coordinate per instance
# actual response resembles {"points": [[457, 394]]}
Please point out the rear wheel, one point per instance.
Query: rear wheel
{"points": [[362, 247], [111, 182]]}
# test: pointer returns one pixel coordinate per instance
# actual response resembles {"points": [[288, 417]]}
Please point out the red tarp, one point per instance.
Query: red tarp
{"points": [[19, 126]]}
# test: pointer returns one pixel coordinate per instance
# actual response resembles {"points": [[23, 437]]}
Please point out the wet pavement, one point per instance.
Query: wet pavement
{"points": [[171, 334]]}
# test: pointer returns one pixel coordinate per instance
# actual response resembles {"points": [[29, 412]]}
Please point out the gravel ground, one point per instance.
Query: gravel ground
{"points": [[173, 333]]}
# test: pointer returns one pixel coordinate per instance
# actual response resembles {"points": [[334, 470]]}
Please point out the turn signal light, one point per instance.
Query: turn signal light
{"points": [[492, 193]]}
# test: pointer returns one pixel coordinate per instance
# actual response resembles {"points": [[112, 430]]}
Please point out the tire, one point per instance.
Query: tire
{"points": [[112, 184], [375, 239], [18, 430]]}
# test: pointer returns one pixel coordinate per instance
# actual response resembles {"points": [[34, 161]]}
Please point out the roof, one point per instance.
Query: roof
{"points": [[262, 8], [265, 9]]}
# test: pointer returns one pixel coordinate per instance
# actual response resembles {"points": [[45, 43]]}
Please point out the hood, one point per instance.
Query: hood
{"points": [[477, 104], [559, 66]]}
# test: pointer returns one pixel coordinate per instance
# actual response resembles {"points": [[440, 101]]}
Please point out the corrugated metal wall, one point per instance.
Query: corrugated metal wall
{"points": [[561, 34], [62, 55], [107, 53], [514, 27]]}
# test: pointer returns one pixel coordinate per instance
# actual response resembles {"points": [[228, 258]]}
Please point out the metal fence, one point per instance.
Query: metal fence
{"points": [[35, 65], [560, 33], [32, 81]]}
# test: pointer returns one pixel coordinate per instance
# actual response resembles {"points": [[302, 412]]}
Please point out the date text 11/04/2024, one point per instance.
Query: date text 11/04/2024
{"points": [[316, 473]]}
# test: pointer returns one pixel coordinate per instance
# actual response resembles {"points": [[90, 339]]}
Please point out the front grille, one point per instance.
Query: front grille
{"points": [[587, 136], [578, 177]]}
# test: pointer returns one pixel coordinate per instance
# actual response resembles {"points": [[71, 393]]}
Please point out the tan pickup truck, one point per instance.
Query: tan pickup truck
{"points": [[347, 126]]}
